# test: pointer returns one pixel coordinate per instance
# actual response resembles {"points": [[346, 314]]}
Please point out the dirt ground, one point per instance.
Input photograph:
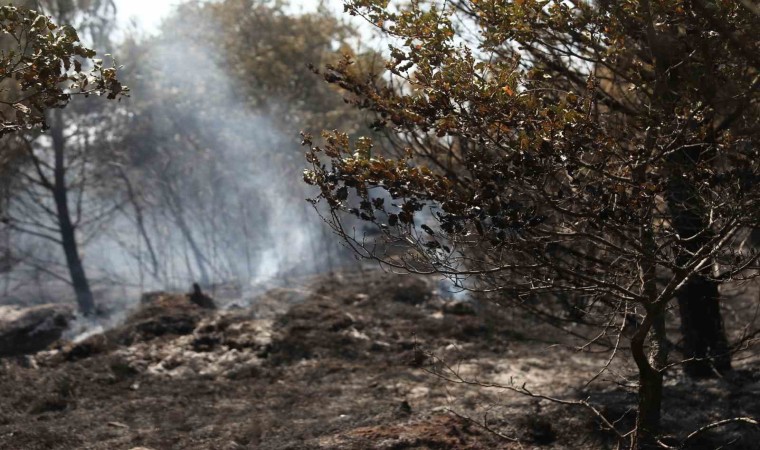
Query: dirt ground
{"points": [[346, 361]]}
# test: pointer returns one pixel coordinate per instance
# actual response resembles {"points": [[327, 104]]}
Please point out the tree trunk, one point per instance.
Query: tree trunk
{"points": [[200, 260], [175, 205], [155, 269], [67, 229], [650, 377], [650, 404], [652, 366], [704, 338]]}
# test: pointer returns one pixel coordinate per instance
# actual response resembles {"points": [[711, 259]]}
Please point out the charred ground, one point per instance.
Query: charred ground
{"points": [[342, 361]]}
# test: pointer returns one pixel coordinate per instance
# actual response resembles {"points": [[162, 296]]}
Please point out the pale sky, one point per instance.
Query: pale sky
{"points": [[149, 13]]}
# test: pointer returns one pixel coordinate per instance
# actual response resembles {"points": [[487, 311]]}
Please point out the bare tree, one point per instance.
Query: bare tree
{"points": [[38, 197]]}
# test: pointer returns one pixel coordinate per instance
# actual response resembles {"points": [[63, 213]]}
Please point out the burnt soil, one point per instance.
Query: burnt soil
{"points": [[346, 361]]}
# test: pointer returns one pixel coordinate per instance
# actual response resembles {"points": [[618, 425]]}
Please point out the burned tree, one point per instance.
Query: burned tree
{"points": [[606, 150], [40, 74]]}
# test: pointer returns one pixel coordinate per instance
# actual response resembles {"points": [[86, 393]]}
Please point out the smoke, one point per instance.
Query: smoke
{"points": [[228, 172], [202, 187]]}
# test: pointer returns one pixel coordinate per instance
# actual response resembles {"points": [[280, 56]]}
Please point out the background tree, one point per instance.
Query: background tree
{"points": [[183, 182], [44, 66], [606, 150], [212, 146]]}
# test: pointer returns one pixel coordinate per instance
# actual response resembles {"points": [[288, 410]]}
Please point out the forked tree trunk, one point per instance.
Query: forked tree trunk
{"points": [[651, 366], [66, 227]]}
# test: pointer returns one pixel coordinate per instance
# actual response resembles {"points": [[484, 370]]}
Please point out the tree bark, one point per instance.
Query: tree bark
{"points": [[200, 260], [705, 345], [649, 404], [704, 338], [650, 377], [651, 367], [67, 229], [155, 269]]}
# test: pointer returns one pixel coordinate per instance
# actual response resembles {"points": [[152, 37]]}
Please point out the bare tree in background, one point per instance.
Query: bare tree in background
{"points": [[209, 133], [45, 171]]}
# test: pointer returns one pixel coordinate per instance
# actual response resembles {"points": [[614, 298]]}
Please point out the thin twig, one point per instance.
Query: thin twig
{"points": [[720, 423]]}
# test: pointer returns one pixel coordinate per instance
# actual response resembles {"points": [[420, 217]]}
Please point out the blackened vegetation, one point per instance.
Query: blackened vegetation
{"points": [[201, 299], [349, 362], [160, 314], [30, 330]]}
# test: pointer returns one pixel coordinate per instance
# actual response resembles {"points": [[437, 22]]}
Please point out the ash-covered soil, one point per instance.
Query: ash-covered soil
{"points": [[345, 361]]}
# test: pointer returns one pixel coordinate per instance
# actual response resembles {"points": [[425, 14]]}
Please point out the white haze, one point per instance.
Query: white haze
{"points": [[261, 167], [148, 14]]}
